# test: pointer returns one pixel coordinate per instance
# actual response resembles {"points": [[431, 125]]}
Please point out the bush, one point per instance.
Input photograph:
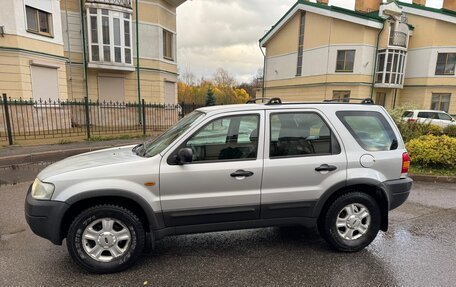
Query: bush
{"points": [[413, 130], [450, 131], [433, 151]]}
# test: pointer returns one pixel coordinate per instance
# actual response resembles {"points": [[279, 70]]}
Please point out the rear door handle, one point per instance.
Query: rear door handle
{"points": [[326, 167], [241, 172]]}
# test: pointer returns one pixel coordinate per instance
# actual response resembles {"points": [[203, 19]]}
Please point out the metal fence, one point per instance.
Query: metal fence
{"points": [[41, 119]]}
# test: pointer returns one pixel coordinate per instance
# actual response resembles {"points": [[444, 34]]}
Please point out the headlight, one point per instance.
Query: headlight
{"points": [[42, 190]]}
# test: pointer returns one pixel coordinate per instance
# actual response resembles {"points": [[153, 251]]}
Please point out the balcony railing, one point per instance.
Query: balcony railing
{"points": [[398, 39]]}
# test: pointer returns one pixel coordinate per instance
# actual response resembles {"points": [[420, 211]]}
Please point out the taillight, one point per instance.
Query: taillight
{"points": [[405, 162], [411, 120]]}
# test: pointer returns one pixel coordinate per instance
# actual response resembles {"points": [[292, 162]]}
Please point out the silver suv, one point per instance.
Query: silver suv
{"points": [[337, 166]]}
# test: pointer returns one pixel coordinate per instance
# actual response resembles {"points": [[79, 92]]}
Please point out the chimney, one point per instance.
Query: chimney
{"points": [[420, 2], [449, 4], [324, 2], [366, 6]]}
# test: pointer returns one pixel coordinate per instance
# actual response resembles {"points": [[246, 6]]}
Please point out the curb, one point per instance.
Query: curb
{"points": [[37, 157], [432, 178]]}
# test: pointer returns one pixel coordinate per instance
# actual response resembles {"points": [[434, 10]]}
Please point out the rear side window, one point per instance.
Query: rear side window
{"points": [[407, 114], [370, 129]]}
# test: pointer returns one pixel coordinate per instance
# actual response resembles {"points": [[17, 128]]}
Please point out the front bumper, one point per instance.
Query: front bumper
{"points": [[397, 191], [45, 217]]}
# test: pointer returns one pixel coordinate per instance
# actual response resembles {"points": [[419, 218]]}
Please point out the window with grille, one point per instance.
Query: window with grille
{"points": [[390, 67], [301, 44], [39, 22], [110, 36], [168, 45], [445, 64], [341, 96], [440, 102], [345, 60]]}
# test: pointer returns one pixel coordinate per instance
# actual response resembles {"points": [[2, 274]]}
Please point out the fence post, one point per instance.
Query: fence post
{"points": [[144, 116], [87, 116], [8, 120]]}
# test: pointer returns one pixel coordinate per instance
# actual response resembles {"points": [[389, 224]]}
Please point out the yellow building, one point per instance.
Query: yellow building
{"points": [[70, 49], [397, 53]]}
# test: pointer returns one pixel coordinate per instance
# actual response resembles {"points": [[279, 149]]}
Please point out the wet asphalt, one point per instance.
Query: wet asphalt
{"points": [[418, 250]]}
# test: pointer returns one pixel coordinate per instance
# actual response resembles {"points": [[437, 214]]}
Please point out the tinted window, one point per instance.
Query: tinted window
{"points": [[424, 115], [370, 129], [300, 134], [444, 117], [407, 114], [229, 138]]}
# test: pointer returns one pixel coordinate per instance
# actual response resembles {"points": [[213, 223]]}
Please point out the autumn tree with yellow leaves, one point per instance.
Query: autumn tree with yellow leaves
{"points": [[222, 85]]}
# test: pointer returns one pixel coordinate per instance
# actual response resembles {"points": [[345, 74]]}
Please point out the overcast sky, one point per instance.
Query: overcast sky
{"points": [[225, 33]]}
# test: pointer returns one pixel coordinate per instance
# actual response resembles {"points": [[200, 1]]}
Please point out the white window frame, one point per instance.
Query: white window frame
{"points": [[396, 74], [111, 14]]}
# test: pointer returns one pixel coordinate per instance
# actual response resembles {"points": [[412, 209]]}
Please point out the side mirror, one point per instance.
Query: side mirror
{"points": [[184, 156]]}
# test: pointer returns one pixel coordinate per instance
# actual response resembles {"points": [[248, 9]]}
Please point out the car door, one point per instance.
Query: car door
{"points": [[303, 159], [222, 183]]}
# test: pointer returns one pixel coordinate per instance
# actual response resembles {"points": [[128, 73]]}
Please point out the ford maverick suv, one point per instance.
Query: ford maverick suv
{"points": [[338, 166]]}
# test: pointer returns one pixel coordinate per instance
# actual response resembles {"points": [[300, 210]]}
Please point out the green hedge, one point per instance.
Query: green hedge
{"points": [[433, 151]]}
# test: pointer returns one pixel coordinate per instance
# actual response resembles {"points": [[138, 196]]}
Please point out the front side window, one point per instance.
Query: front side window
{"points": [[370, 129], [168, 45], [446, 63], [228, 138], [444, 117], [300, 134], [345, 60], [38, 21], [440, 102], [109, 36]]}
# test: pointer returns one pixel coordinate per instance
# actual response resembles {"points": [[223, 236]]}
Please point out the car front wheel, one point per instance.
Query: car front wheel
{"points": [[106, 239]]}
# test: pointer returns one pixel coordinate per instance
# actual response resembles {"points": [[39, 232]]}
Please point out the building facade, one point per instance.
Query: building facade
{"points": [[397, 53], [72, 49]]}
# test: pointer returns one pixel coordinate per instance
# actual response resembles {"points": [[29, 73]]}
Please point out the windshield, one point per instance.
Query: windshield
{"points": [[156, 146]]}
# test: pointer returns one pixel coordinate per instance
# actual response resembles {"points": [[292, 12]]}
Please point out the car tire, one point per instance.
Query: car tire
{"points": [[106, 239], [351, 222]]}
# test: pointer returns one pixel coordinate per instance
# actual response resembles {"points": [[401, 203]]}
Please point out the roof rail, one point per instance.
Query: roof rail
{"points": [[367, 101], [271, 101]]}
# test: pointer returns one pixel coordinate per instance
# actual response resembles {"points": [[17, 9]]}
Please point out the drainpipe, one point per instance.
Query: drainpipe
{"points": [[375, 60], [264, 71], [84, 60], [69, 51], [137, 63]]}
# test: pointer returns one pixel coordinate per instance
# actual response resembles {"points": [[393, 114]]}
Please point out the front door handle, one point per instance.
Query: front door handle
{"points": [[326, 167], [241, 172]]}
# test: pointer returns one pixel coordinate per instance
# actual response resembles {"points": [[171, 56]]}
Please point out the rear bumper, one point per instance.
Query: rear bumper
{"points": [[398, 191], [45, 217]]}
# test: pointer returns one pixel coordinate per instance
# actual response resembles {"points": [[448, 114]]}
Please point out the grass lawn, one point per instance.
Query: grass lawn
{"points": [[419, 170]]}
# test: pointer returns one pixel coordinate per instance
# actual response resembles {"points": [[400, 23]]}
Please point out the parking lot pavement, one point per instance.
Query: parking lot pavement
{"points": [[418, 250]]}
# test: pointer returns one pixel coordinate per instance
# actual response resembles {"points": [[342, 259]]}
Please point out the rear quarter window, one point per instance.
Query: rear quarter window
{"points": [[370, 129]]}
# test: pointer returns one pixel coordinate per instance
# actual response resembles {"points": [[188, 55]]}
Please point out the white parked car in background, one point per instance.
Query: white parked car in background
{"points": [[438, 118]]}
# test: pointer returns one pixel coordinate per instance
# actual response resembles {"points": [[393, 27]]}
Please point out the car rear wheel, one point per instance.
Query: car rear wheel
{"points": [[106, 239], [351, 222]]}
